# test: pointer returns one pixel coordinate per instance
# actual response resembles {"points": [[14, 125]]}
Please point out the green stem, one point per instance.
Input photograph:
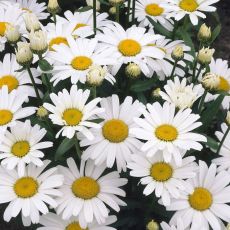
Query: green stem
{"points": [[94, 91], [173, 70], [223, 139], [78, 149], [198, 73], [133, 11], [117, 12], [128, 13], [55, 19], [94, 17], [34, 84], [194, 71], [202, 101]]}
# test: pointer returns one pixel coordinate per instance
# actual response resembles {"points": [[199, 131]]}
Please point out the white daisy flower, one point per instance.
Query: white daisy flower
{"points": [[152, 9], [181, 94], [223, 161], [30, 193], [166, 180], [81, 23], [86, 192], [11, 108], [204, 201], [54, 221], [193, 8], [113, 141], [22, 145], [9, 15], [74, 61], [129, 46], [20, 81], [71, 111], [164, 130], [164, 67]]}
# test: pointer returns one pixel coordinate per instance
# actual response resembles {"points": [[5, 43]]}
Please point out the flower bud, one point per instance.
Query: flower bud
{"points": [[204, 33], [133, 70], [115, 2], [32, 22], [210, 81], [178, 53], [113, 10], [53, 7], [90, 3], [38, 42], [156, 93], [24, 56], [12, 34], [42, 112], [205, 56], [96, 75], [152, 225]]}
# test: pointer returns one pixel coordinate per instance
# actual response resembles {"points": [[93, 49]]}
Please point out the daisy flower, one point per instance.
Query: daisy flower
{"points": [[71, 111], [166, 180], [81, 23], [9, 15], [30, 193], [179, 225], [204, 201], [181, 94], [86, 192], [164, 130], [224, 160], [22, 145], [32, 6], [54, 221], [193, 8], [74, 61], [152, 9], [129, 46], [11, 108], [20, 81], [113, 141]]}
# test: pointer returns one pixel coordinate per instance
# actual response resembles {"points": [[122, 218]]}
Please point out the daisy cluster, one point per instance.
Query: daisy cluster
{"points": [[113, 113]]}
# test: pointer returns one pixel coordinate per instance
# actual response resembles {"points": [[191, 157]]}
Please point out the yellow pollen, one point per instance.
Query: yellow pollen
{"points": [[3, 26], [188, 5], [200, 199], [115, 130], [129, 47], [75, 226], [154, 9], [166, 133], [10, 81], [26, 9], [6, 117], [85, 188], [79, 25], [81, 63], [57, 41], [72, 117], [20, 148], [26, 187], [161, 171], [223, 85]]}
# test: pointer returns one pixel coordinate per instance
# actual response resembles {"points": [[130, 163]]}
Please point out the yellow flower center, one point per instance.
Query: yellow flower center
{"points": [[20, 148], [154, 9], [166, 133], [6, 117], [115, 130], [57, 41], [85, 188], [26, 187], [161, 171], [81, 63], [74, 226], [26, 9], [188, 5], [200, 199], [10, 81], [3, 26], [72, 116], [129, 47], [79, 25], [224, 84]]}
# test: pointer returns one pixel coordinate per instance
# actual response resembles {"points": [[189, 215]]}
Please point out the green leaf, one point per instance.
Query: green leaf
{"points": [[141, 86], [45, 65], [141, 97], [215, 33], [65, 146], [188, 41], [158, 27], [85, 8], [211, 112], [211, 143]]}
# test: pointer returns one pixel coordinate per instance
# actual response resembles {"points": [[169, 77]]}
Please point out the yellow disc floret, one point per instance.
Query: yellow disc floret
{"points": [[72, 117], [6, 117], [75, 226], [129, 47], [161, 171], [223, 84], [166, 132], [188, 5], [57, 41], [81, 63], [10, 81], [3, 26], [20, 148], [154, 9]]}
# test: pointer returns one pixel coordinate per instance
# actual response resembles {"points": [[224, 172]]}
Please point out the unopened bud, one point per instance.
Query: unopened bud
{"points": [[156, 93], [90, 3], [42, 112], [133, 70], [204, 33], [38, 42], [32, 22], [96, 75], [12, 34], [113, 10], [205, 56], [53, 7], [210, 81], [178, 53], [152, 225], [24, 55]]}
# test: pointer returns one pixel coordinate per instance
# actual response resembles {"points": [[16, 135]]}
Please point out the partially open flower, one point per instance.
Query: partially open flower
{"points": [[24, 55], [12, 34], [204, 33], [133, 70], [113, 10], [178, 53], [53, 7], [32, 22], [38, 42], [156, 93], [205, 55], [96, 75], [42, 112], [210, 81]]}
